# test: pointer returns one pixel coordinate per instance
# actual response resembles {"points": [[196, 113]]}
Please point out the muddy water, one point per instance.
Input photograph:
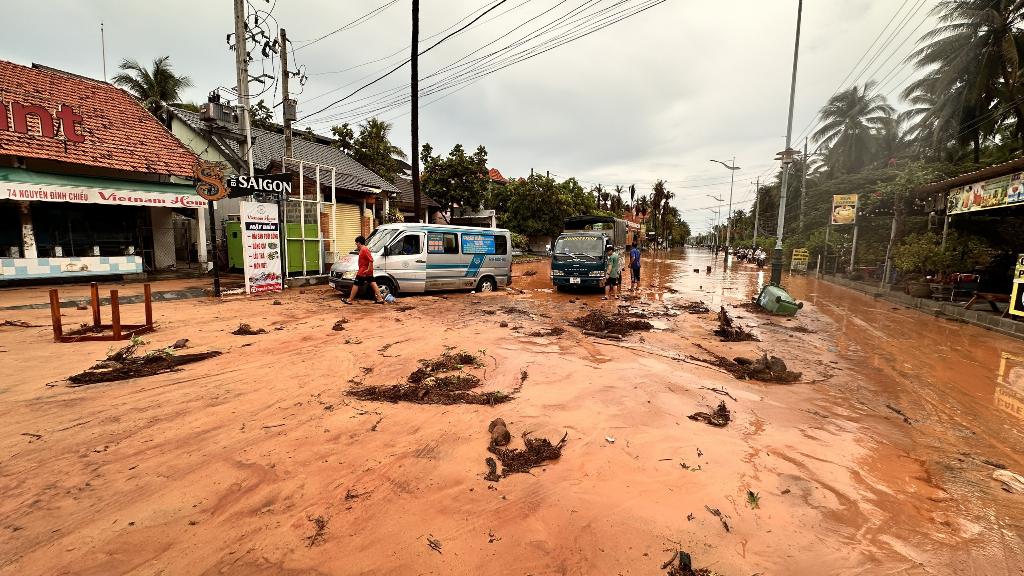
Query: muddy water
{"points": [[935, 405]]}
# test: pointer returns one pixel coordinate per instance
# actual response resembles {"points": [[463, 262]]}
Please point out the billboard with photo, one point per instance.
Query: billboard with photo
{"points": [[844, 209], [995, 193]]}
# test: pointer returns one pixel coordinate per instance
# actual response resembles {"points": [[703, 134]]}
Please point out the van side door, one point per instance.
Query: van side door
{"points": [[406, 262], [446, 266]]}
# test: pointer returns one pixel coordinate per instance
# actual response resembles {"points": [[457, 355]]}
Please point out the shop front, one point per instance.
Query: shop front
{"points": [[91, 184]]}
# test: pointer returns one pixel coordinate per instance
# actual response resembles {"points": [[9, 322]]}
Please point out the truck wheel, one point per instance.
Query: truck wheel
{"points": [[486, 284]]}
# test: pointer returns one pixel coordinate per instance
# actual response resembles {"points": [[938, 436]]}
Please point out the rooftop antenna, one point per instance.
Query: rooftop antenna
{"points": [[103, 48]]}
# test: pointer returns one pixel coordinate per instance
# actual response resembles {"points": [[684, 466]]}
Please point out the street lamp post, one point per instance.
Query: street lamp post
{"points": [[786, 156], [728, 216], [718, 213]]}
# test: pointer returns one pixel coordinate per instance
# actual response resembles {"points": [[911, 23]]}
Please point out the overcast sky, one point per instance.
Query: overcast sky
{"points": [[653, 96]]}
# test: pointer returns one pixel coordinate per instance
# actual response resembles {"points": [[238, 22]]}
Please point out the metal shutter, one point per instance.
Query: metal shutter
{"points": [[345, 220]]}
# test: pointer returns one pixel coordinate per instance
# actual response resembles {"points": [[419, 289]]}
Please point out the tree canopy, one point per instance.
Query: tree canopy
{"points": [[155, 87], [457, 179]]}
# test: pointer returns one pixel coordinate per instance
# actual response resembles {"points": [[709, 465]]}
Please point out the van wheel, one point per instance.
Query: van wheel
{"points": [[386, 287], [486, 285]]}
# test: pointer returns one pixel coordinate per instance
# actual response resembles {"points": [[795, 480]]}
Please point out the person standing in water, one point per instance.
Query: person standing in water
{"points": [[614, 273], [634, 268]]}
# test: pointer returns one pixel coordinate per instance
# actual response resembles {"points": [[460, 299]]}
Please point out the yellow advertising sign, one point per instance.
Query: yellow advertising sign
{"points": [[800, 259], [1017, 296], [844, 209]]}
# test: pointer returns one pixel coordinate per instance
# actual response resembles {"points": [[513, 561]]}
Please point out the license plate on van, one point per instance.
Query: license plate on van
{"points": [[574, 280]]}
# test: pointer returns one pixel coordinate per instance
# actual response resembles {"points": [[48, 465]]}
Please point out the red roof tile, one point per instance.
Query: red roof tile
{"points": [[118, 132], [496, 175]]}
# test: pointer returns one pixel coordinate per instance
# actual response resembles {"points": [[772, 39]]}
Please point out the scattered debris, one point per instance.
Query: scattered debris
{"points": [[376, 424], [764, 369], [552, 331], [179, 344], [529, 273], [437, 381], [353, 341], [728, 331], [753, 499], [276, 303], [690, 517], [404, 308], [514, 310], [32, 435], [721, 391], [604, 323], [718, 514], [123, 364], [339, 325], [492, 470], [491, 538], [268, 426], [901, 413], [697, 308], [351, 494], [537, 452], [993, 463], [19, 324], [609, 439], [1012, 483], [786, 491], [247, 330], [489, 311], [319, 531], [719, 418], [604, 335], [499, 433], [503, 324], [434, 544], [681, 564]]}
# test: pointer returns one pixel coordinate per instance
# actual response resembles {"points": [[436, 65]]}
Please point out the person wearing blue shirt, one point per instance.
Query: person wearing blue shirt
{"points": [[634, 268]]}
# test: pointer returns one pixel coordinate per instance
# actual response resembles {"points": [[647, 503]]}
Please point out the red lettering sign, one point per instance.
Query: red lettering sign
{"points": [[20, 113]]}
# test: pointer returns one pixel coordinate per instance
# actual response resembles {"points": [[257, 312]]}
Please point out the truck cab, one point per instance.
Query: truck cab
{"points": [[580, 257]]}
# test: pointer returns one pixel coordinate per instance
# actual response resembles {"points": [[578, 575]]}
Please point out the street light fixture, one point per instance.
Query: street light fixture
{"points": [[728, 216], [718, 214]]}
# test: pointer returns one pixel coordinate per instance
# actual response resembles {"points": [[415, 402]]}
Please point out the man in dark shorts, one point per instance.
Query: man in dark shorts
{"points": [[364, 275], [634, 268]]}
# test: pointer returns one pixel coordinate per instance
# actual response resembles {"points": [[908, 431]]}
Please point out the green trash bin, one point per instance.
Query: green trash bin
{"points": [[777, 301]]}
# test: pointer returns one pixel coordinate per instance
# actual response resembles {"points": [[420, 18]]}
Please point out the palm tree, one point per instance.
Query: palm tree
{"points": [[155, 88], [632, 194], [657, 198], [617, 199], [373, 149], [973, 58], [850, 121], [666, 213]]}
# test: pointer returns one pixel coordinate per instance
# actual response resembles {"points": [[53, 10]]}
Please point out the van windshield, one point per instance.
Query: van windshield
{"points": [[380, 238], [579, 246]]}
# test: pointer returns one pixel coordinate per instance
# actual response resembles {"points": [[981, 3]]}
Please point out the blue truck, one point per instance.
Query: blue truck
{"points": [[579, 258]]}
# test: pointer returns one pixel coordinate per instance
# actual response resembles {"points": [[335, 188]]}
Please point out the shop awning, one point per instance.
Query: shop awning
{"points": [[19, 184]]}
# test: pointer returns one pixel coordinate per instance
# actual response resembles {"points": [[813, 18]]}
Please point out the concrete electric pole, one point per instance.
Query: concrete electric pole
{"points": [[803, 186], [415, 112], [242, 73], [757, 209], [287, 105], [728, 217]]}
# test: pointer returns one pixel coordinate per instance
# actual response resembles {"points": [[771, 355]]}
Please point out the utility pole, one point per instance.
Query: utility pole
{"points": [[242, 73], [286, 106], [803, 186], [728, 217], [787, 157], [103, 50], [757, 208], [415, 102]]}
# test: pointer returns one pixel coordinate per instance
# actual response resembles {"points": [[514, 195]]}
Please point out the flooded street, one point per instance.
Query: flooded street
{"points": [[878, 460]]}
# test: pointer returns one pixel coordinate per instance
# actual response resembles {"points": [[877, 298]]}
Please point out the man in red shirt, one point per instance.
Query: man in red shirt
{"points": [[364, 275]]}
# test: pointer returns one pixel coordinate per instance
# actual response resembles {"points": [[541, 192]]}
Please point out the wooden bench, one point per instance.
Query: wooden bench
{"points": [[992, 299]]}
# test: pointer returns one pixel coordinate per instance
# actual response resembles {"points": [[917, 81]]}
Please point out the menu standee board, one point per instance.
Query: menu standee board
{"points": [[1017, 297], [261, 247]]}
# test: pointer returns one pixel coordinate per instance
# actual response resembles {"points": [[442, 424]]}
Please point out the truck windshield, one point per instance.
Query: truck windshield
{"points": [[580, 245]]}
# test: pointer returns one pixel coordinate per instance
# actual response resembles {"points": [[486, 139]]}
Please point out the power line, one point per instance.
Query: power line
{"points": [[360, 20], [396, 68]]}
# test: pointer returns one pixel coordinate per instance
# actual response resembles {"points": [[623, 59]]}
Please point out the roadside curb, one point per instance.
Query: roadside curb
{"points": [[946, 310]]}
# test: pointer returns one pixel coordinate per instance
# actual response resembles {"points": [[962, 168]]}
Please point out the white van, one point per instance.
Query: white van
{"points": [[422, 257]]}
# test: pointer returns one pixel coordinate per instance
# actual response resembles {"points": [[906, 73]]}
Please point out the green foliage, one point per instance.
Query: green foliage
{"points": [[457, 179], [261, 116], [154, 87], [922, 253], [520, 242], [372, 148], [394, 215], [538, 205], [344, 137]]}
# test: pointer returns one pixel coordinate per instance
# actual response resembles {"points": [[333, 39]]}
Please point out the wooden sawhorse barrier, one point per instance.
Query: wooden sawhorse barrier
{"points": [[118, 331]]}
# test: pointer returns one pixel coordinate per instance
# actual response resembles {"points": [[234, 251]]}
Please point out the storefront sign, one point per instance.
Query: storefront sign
{"points": [[799, 260], [47, 125], [261, 247], [844, 209], [55, 193], [211, 180], [266, 187], [1017, 297], [994, 193]]}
